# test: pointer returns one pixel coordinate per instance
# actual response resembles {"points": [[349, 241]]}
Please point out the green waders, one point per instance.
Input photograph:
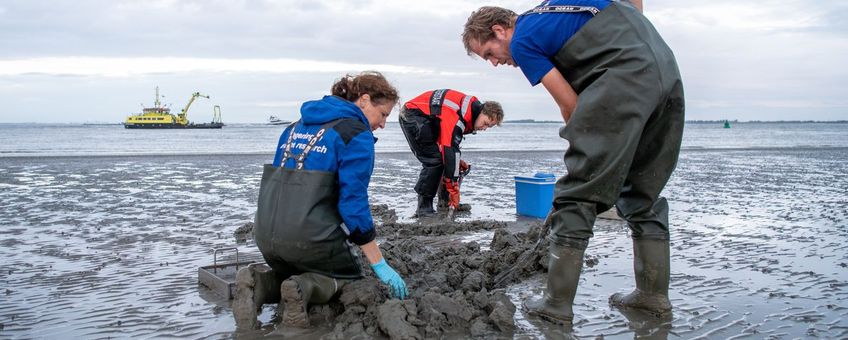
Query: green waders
{"points": [[565, 261], [300, 234], [624, 139]]}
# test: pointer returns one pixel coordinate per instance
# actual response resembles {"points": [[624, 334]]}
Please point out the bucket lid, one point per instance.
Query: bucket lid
{"points": [[539, 177], [544, 175]]}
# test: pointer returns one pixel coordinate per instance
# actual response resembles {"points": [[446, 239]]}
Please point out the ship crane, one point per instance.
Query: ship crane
{"points": [[182, 118], [160, 117]]}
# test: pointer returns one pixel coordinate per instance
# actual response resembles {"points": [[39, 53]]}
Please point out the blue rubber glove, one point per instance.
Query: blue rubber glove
{"points": [[390, 277]]}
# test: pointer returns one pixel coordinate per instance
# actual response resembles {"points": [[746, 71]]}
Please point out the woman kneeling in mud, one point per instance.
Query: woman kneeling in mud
{"points": [[313, 203]]}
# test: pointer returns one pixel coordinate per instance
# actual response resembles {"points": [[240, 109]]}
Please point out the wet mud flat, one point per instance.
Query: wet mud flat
{"points": [[109, 247]]}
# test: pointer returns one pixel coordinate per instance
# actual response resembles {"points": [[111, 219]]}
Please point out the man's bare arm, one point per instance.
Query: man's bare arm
{"points": [[563, 94]]}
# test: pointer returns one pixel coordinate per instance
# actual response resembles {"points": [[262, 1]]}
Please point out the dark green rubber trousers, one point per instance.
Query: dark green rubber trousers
{"points": [[626, 130], [297, 225], [298, 228]]}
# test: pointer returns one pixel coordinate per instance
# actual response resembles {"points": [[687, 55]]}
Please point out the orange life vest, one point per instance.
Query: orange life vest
{"points": [[451, 107]]}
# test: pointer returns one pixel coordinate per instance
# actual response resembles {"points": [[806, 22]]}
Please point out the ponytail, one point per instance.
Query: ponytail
{"points": [[372, 83]]}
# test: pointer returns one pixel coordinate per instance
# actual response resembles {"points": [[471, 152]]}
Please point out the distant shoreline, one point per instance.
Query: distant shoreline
{"points": [[720, 121], [766, 121]]}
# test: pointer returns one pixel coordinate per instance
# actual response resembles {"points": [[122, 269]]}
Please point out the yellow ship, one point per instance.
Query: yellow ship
{"points": [[160, 117]]}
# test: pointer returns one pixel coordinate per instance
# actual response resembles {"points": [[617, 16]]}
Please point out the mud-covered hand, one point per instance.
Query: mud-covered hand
{"points": [[453, 193], [390, 277], [463, 166]]}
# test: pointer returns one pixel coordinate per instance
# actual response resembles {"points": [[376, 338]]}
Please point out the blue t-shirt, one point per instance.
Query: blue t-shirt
{"points": [[538, 37]]}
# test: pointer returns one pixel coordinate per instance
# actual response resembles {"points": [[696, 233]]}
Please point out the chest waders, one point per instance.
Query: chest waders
{"points": [[298, 226], [624, 139]]}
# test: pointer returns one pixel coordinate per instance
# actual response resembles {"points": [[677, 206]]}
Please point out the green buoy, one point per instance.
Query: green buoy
{"points": [[726, 124]]}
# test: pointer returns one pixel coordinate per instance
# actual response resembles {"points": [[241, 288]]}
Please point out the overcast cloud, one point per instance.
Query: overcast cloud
{"points": [[87, 60]]}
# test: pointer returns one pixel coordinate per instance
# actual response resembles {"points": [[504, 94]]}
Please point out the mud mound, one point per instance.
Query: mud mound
{"points": [[452, 290], [449, 294], [455, 288], [244, 232], [387, 223], [388, 226], [382, 214], [436, 228]]}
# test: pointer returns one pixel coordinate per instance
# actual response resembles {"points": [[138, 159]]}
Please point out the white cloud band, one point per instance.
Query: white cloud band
{"points": [[125, 67]]}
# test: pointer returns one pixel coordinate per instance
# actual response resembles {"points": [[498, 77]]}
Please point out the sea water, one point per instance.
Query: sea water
{"points": [[50, 140]]}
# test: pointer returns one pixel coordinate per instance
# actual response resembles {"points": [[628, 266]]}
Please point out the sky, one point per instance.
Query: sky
{"points": [[100, 60]]}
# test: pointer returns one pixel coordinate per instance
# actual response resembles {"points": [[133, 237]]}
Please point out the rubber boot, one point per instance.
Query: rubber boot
{"points": [[425, 206], [299, 291], [652, 271], [256, 284], [564, 266]]}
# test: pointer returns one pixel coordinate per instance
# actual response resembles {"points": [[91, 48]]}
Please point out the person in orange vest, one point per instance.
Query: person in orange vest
{"points": [[435, 123]]}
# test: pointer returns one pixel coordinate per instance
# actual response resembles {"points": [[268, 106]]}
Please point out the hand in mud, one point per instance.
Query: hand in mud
{"points": [[390, 277]]}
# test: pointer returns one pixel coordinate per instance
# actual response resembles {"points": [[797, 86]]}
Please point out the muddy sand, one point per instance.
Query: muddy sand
{"points": [[100, 247], [456, 288]]}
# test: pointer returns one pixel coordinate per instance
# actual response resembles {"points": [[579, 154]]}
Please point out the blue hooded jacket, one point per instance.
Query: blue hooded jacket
{"points": [[347, 149]]}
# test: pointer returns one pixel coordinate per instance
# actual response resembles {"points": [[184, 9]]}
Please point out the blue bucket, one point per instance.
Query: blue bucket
{"points": [[534, 195]]}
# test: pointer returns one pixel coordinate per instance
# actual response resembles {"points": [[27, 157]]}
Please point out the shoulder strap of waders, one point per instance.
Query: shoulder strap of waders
{"points": [[287, 152], [563, 9], [437, 98], [302, 156]]}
